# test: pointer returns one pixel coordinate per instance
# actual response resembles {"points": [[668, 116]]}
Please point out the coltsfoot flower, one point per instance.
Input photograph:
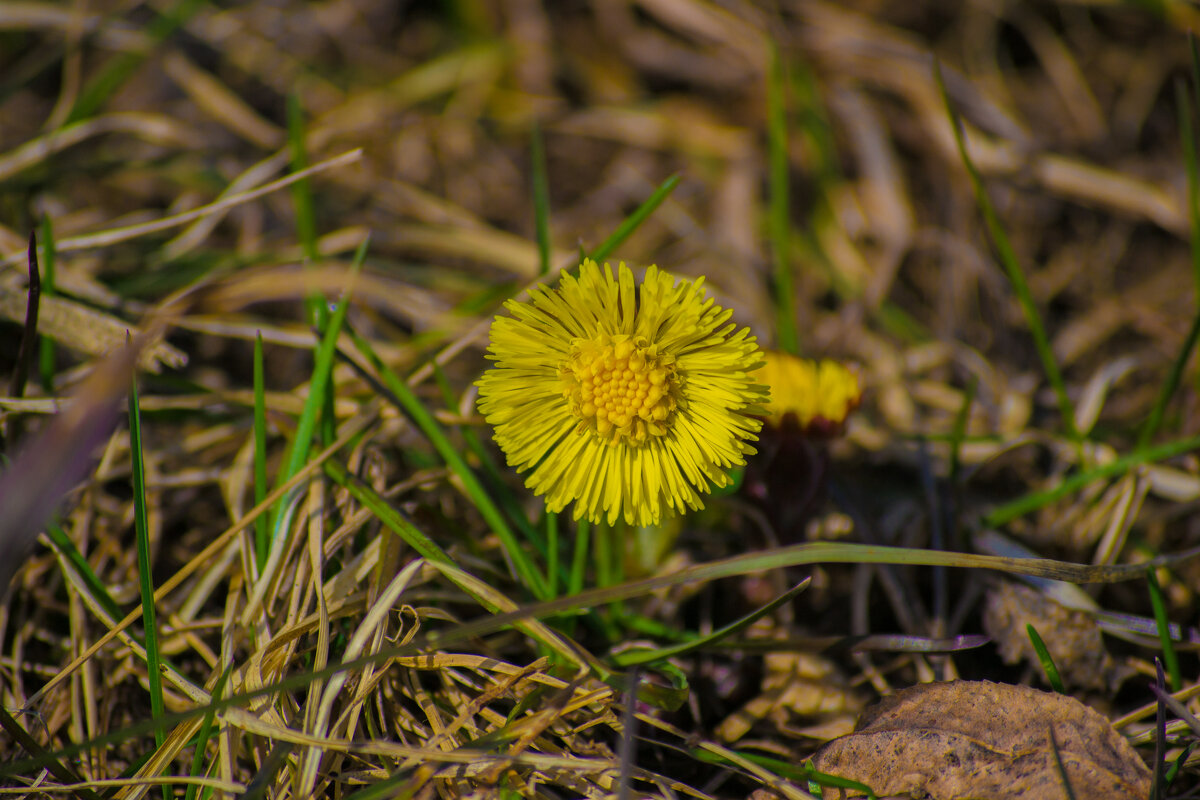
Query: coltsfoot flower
{"points": [[809, 403], [629, 400], [818, 394]]}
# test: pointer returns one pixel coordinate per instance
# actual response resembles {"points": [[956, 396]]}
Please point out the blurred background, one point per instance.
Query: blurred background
{"points": [[114, 114]]}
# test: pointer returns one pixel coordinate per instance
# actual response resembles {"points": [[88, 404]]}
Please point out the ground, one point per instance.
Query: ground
{"points": [[985, 212]]}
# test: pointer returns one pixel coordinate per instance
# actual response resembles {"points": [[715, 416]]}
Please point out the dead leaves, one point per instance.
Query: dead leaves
{"points": [[983, 739], [1071, 636], [802, 695]]}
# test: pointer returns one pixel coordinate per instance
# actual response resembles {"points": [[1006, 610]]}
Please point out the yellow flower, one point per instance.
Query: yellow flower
{"points": [[629, 400], [819, 394]]}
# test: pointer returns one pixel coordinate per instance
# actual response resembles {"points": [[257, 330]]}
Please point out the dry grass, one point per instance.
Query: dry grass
{"points": [[159, 151]]}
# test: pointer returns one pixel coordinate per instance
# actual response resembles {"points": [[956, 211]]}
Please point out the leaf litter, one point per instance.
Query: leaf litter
{"points": [[1072, 637]]}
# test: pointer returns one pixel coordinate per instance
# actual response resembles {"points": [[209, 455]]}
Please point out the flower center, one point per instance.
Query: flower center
{"points": [[620, 386]]}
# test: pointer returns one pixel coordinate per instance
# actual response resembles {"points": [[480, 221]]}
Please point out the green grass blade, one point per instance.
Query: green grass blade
{"points": [[634, 220], [1035, 500], [46, 354], [959, 433], [57, 768], [68, 552], [541, 197], [301, 190], [579, 560], [391, 788], [327, 433], [499, 488], [788, 770], [578, 571], [822, 552], [1195, 64], [602, 553], [302, 200], [262, 527], [779, 217], [657, 628], [1175, 376], [631, 658], [145, 577], [1180, 760], [509, 503], [426, 547], [551, 554], [1170, 658], [425, 422], [605, 556], [322, 369], [812, 122], [276, 758], [392, 519], [1194, 201], [1187, 139], [117, 70], [1012, 267], [1046, 660], [204, 735]]}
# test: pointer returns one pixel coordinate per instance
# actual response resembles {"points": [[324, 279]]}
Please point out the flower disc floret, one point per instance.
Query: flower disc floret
{"points": [[629, 400], [620, 387]]}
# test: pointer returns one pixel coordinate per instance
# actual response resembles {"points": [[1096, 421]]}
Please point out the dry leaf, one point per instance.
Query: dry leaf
{"points": [[1071, 636], [797, 685], [985, 740]]}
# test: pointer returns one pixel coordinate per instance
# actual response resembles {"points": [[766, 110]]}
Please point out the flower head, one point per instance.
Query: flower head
{"points": [[629, 400], [819, 395]]}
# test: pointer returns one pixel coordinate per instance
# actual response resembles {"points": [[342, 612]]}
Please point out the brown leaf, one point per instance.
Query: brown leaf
{"points": [[1072, 637], [985, 740]]}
